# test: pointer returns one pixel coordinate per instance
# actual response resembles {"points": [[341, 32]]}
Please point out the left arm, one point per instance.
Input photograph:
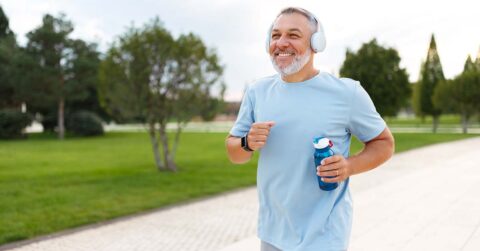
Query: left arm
{"points": [[375, 152]]}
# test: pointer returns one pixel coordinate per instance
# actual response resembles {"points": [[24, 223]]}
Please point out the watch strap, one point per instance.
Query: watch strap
{"points": [[245, 144]]}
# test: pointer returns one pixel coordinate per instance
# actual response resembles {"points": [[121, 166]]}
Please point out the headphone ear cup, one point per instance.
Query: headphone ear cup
{"points": [[267, 39], [267, 45], [318, 41]]}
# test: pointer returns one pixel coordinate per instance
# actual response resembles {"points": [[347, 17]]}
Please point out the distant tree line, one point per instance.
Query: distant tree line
{"points": [[378, 69]]}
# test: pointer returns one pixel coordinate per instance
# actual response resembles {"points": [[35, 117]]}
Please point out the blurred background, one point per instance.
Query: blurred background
{"points": [[109, 108]]}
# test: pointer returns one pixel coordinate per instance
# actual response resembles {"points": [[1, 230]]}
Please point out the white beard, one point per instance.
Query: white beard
{"points": [[298, 63]]}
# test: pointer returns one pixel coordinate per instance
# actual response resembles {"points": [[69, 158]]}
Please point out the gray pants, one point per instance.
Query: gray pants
{"points": [[265, 246]]}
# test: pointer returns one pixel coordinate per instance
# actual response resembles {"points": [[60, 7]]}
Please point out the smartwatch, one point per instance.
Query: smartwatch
{"points": [[245, 144]]}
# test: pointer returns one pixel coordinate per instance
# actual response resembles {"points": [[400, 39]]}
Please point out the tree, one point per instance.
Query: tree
{"points": [[65, 69], [150, 77], [84, 64], [8, 49], [460, 95], [431, 75], [48, 44], [4, 25], [378, 69], [469, 65]]}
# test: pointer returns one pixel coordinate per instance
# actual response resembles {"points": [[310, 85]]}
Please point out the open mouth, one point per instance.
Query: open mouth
{"points": [[283, 54]]}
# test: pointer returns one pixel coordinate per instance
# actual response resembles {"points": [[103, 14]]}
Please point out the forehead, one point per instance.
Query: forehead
{"points": [[291, 21]]}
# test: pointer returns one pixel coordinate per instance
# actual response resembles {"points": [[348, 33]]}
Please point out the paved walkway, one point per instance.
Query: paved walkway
{"points": [[426, 199]]}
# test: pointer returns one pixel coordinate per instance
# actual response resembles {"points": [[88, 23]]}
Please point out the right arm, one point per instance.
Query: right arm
{"points": [[236, 154]]}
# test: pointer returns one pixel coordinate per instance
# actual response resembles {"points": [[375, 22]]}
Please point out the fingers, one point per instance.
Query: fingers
{"points": [[335, 169], [256, 141], [259, 131], [258, 134], [263, 125], [332, 159], [330, 173], [333, 179]]}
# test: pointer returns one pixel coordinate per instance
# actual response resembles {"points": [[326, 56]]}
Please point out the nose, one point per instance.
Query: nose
{"points": [[282, 42]]}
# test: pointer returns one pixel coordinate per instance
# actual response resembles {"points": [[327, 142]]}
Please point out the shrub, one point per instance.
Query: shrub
{"points": [[84, 123], [13, 123]]}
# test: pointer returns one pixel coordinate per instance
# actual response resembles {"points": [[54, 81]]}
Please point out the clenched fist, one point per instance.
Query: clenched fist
{"points": [[257, 136]]}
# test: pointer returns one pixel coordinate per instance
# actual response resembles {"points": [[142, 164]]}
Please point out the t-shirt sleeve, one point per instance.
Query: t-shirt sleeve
{"points": [[365, 122], [245, 117]]}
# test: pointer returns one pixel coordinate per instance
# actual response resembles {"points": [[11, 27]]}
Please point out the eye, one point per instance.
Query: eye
{"points": [[275, 36], [294, 36]]}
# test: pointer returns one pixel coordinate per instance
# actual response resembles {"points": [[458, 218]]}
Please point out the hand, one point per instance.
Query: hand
{"points": [[257, 136], [336, 167]]}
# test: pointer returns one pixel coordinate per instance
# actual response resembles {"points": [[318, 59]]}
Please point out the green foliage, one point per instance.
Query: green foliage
{"points": [[477, 60], [8, 93], [460, 95], [4, 25], [84, 123], [445, 96], [9, 96], [192, 96], [149, 76], [378, 69], [12, 123], [469, 65], [135, 61]]}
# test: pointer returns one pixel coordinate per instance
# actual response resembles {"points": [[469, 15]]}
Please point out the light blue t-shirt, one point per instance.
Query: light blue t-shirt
{"points": [[295, 214]]}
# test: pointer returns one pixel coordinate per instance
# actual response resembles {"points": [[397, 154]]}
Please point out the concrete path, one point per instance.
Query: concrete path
{"points": [[426, 199]]}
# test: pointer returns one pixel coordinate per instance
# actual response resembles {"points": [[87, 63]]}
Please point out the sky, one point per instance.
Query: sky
{"points": [[237, 29]]}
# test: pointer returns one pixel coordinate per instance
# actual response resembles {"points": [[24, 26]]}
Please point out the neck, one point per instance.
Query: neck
{"points": [[306, 73]]}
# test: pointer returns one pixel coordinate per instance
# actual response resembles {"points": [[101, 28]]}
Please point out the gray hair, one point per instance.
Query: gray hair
{"points": [[311, 18]]}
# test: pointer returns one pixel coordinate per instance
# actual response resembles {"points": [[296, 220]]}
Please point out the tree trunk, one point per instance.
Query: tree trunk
{"points": [[61, 120], [156, 154], [435, 124], [464, 122], [167, 158]]}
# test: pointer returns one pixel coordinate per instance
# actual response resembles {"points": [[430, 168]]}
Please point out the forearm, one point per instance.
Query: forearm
{"points": [[235, 152], [375, 152]]}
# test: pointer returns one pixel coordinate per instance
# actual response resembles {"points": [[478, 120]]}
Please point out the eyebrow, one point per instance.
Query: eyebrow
{"points": [[290, 30]]}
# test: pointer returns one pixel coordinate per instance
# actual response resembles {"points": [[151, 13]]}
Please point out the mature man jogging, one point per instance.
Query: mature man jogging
{"points": [[280, 115]]}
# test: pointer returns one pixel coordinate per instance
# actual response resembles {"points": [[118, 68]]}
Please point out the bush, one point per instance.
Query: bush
{"points": [[12, 123], [84, 123]]}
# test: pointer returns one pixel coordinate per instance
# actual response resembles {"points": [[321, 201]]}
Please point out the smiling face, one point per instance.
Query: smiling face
{"points": [[290, 44]]}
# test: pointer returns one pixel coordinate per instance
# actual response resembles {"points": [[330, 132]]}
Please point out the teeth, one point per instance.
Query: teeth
{"points": [[284, 54]]}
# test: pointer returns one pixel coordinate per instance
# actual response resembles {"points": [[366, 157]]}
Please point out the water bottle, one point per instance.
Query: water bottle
{"points": [[323, 149]]}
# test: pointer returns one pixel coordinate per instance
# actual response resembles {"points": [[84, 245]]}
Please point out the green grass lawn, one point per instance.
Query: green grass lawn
{"points": [[48, 185]]}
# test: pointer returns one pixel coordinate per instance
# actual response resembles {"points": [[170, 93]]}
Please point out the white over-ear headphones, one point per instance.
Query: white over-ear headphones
{"points": [[318, 41]]}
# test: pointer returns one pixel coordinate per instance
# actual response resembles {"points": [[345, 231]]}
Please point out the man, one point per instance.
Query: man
{"points": [[279, 117]]}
